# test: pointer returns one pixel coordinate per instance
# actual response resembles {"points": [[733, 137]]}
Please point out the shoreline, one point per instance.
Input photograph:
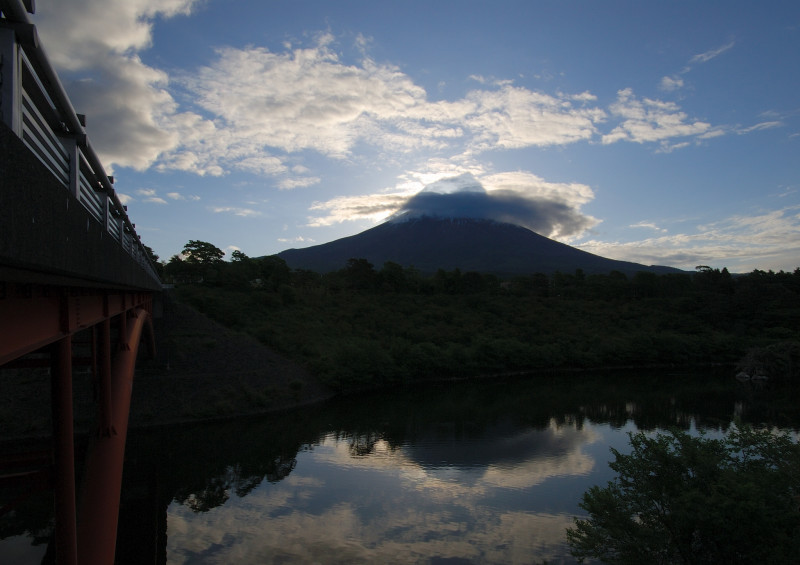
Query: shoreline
{"points": [[204, 372]]}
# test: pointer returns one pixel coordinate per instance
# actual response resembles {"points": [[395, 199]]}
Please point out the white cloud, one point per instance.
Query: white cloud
{"points": [[149, 195], [94, 44], [532, 186], [714, 132], [252, 109], [584, 97], [761, 126], [303, 182], [373, 207], [128, 110], [244, 212], [196, 153], [669, 84], [86, 28], [648, 225], [125, 199], [262, 104], [742, 243], [303, 99], [712, 53], [514, 117], [298, 239], [648, 120], [261, 164], [179, 196], [667, 147]]}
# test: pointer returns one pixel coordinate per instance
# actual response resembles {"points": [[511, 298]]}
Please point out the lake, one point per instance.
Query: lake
{"points": [[488, 471]]}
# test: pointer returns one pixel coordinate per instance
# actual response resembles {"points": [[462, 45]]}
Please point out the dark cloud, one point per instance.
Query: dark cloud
{"points": [[545, 217]]}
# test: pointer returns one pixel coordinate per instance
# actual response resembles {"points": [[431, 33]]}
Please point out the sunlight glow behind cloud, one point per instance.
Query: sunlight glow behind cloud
{"points": [[551, 209]]}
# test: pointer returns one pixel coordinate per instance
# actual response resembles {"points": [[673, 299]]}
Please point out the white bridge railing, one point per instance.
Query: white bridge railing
{"points": [[34, 104]]}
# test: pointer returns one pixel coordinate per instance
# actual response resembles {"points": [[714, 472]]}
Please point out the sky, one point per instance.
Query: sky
{"points": [[657, 132]]}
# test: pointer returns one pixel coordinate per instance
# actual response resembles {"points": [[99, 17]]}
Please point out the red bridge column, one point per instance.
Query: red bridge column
{"points": [[63, 451], [99, 514]]}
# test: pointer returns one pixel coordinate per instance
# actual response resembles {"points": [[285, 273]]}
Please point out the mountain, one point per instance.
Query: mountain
{"points": [[432, 243]]}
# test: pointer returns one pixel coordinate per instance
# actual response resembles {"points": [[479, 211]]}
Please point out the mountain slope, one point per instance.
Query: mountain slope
{"points": [[430, 244]]}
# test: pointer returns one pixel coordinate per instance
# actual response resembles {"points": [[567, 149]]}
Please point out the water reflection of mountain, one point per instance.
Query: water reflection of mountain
{"points": [[470, 425], [501, 444], [483, 425]]}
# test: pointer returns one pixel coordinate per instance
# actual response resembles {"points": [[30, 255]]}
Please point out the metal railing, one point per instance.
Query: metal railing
{"points": [[34, 104]]}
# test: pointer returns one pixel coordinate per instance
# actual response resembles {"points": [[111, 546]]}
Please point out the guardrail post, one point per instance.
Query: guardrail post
{"points": [[106, 213], [71, 147], [10, 83]]}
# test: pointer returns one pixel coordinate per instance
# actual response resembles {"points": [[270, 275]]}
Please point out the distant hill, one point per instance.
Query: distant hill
{"points": [[432, 243]]}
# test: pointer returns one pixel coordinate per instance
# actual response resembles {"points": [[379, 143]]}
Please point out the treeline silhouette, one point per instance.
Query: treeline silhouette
{"points": [[362, 327]]}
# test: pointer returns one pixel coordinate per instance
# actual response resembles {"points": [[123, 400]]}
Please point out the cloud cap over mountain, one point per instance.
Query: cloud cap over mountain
{"points": [[465, 197]]}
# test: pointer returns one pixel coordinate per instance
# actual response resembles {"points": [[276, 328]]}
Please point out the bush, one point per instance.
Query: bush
{"points": [[684, 499], [779, 361]]}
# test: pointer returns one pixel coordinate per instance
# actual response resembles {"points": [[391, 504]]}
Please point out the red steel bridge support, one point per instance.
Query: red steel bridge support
{"points": [[37, 324], [71, 265]]}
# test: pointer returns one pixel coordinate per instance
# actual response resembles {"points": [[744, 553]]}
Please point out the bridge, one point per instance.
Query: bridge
{"points": [[76, 289]]}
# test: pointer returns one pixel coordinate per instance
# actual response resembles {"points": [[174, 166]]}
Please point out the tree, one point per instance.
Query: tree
{"points": [[150, 253], [177, 270], [713, 280], [159, 267], [359, 274], [239, 256], [392, 277], [202, 252], [274, 271], [645, 284], [684, 499]]}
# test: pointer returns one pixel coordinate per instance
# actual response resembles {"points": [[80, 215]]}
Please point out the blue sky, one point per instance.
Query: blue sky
{"points": [[669, 131]]}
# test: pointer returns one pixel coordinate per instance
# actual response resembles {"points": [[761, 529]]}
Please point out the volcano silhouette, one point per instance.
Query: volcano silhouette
{"points": [[431, 243]]}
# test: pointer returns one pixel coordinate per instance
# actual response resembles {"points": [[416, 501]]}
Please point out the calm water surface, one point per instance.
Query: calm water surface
{"points": [[479, 472]]}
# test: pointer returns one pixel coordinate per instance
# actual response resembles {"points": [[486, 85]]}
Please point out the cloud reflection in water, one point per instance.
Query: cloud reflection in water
{"points": [[444, 494]]}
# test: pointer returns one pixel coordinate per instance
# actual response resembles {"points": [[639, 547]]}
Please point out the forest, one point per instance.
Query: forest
{"points": [[364, 327]]}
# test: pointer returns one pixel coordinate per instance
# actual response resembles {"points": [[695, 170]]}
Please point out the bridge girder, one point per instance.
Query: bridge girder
{"points": [[41, 319], [34, 316]]}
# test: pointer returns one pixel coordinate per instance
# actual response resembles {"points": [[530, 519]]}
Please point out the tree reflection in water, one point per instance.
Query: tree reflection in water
{"points": [[501, 437]]}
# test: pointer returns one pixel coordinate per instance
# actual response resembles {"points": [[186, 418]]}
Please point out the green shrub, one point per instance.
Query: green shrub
{"points": [[684, 499]]}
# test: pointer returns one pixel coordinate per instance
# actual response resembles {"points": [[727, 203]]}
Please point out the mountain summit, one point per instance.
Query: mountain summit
{"points": [[429, 243], [455, 223]]}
